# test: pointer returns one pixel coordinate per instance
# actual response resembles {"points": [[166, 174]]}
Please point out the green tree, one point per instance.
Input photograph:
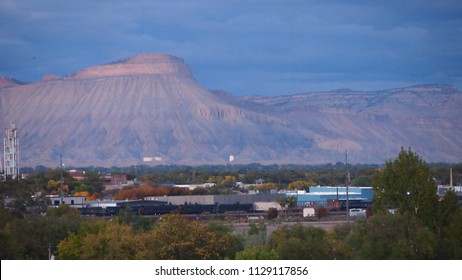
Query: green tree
{"points": [[407, 185], [394, 237], [135, 220], [257, 234], [23, 198], [300, 243], [259, 252], [63, 211], [362, 181], [287, 203], [94, 180], [29, 238], [225, 232], [338, 246], [229, 182], [449, 227]]}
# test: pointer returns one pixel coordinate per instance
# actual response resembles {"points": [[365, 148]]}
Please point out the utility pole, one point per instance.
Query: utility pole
{"points": [[49, 251], [61, 179]]}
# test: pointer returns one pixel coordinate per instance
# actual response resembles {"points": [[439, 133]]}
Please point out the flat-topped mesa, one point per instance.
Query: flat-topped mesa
{"points": [[146, 64], [429, 88]]}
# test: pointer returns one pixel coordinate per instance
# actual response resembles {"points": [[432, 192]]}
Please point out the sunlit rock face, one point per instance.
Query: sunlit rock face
{"points": [[150, 106], [148, 64]]}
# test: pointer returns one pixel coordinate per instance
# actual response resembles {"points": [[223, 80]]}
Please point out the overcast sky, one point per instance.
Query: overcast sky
{"points": [[241, 46]]}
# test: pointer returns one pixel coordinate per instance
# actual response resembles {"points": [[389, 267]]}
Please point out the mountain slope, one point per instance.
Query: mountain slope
{"points": [[146, 106], [151, 106], [373, 126]]}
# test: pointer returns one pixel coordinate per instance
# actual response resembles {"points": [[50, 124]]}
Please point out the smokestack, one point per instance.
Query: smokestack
{"points": [[450, 178]]}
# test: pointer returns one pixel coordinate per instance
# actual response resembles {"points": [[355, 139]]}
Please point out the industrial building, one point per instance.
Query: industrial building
{"points": [[320, 196], [11, 153], [442, 190], [72, 201]]}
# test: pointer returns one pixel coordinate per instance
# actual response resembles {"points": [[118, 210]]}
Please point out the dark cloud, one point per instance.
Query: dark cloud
{"points": [[244, 47]]}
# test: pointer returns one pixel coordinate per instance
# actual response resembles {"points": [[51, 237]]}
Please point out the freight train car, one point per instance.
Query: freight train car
{"points": [[359, 204], [162, 209]]}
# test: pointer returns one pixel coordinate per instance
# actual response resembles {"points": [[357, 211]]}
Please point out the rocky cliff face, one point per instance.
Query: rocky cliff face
{"points": [[151, 106]]}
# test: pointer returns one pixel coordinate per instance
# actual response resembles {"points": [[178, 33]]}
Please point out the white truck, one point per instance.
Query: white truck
{"points": [[357, 212], [309, 212]]}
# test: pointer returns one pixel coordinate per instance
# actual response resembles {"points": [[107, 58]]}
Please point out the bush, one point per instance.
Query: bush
{"points": [[321, 212], [272, 213]]}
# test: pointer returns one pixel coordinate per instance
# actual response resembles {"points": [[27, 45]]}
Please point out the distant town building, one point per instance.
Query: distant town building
{"points": [[77, 174], [11, 152], [118, 179], [115, 181], [72, 201], [259, 181], [323, 195], [442, 190]]}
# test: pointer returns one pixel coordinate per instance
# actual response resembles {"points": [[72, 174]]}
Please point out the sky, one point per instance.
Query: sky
{"points": [[244, 47]]}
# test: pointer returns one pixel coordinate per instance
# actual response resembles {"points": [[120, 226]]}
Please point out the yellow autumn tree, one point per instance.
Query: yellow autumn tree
{"points": [[266, 187], [54, 187], [174, 238], [88, 196], [178, 238], [300, 185]]}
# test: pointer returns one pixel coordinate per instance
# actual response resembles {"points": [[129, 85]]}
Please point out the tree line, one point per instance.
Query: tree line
{"points": [[224, 177]]}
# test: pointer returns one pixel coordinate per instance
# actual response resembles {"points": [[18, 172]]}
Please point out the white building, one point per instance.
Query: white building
{"points": [[11, 152], [72, 201]]}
